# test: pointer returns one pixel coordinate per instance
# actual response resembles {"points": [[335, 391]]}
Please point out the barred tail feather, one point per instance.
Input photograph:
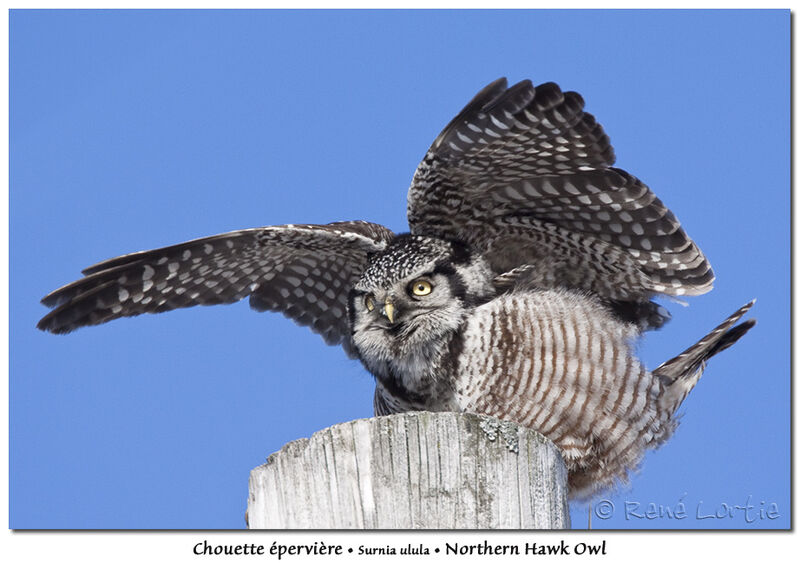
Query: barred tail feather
{"points": [[680, 374]]}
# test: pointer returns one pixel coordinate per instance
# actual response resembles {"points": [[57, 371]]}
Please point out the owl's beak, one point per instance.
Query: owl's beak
{"points": [[388, 309]]}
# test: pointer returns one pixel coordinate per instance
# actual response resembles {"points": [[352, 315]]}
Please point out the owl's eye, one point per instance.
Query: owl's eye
{"points": [[369, 302], [420, 287]]}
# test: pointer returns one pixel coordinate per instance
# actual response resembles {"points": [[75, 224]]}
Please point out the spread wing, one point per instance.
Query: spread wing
{"points": [[302, 271], [525, 175]]}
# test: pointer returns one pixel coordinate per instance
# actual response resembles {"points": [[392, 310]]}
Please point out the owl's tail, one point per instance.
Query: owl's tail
{"points": [[680, 374]]}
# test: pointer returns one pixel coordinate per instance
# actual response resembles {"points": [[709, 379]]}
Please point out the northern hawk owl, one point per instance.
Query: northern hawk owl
{"points": [[519, 292]]}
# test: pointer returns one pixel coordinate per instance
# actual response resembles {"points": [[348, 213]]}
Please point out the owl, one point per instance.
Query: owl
{"points": [[520, 291]]}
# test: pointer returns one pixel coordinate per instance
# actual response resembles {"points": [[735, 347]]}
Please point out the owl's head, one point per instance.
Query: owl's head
{"points": [[412, 295]]}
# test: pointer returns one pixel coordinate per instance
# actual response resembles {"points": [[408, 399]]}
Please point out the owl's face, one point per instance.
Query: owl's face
{"points": [[411, 298]]}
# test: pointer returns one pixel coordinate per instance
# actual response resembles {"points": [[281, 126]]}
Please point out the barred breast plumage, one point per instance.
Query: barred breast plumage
{"points": [[558, 362]]}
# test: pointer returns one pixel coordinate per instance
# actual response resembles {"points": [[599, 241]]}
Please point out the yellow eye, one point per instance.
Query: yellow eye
{"points": [[421, 287], [369, 302]]}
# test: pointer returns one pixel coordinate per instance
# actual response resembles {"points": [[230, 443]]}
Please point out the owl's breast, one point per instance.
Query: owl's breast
{"points": [[558, 362]]}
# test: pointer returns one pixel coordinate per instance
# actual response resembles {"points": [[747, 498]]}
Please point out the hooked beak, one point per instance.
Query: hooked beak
{"points": [[388, 309]]}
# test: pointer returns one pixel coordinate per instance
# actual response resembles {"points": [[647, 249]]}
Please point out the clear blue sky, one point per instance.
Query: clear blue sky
{"points": [[132, 130]]}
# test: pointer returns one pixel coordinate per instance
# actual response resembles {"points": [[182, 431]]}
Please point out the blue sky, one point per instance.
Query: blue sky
{"points": [[132, 130]]}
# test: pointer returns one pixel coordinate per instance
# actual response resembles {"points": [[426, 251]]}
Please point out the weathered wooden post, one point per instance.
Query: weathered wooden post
{"points": [[411, 471]]}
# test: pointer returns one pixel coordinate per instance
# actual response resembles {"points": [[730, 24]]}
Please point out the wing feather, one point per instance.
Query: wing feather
{"points": [[529, 159], [302, 271]]}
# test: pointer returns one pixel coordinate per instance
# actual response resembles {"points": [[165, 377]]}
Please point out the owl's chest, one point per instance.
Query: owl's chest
{"points": [[549, 360], [419, 379]]}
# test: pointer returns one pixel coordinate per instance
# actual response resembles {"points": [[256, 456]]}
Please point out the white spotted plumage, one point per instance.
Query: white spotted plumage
{"points": [[519, 292]]}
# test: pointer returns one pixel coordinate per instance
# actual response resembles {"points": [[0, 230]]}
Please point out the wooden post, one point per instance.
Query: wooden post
{"points": [[412, 471]]}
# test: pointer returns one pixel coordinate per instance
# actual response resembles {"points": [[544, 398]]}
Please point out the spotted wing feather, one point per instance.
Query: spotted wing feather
{"points": [[303, 271], [528, 164]]}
